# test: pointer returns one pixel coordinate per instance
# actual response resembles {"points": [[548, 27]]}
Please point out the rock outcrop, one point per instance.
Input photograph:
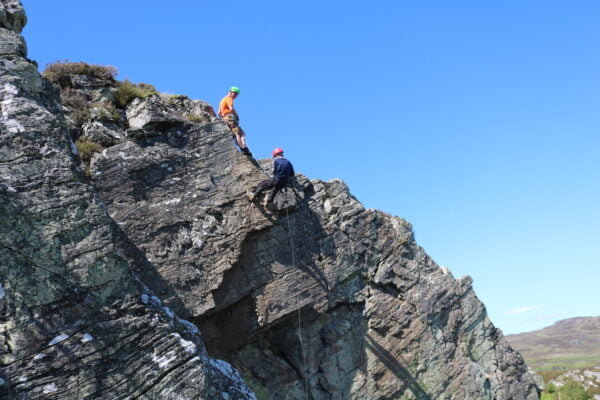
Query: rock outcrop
{"points": [[315, 298], [74, 321]]}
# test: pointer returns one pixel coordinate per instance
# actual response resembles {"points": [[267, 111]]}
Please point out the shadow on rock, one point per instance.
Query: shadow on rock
{"points": [[393, 365], [278, 271], [146, 272]]}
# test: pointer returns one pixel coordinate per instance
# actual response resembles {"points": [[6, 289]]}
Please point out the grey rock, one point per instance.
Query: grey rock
{"points": [[75, 322], [151, 112], [12, 15], [197, 110], [12, 43], [90, 82], [104, 134]]}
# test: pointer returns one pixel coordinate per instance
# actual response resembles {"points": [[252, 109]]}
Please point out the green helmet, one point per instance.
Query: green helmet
{"points": [[235, 89]]}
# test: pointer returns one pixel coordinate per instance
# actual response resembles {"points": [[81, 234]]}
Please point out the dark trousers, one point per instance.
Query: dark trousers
{"points": [[273, 183]]}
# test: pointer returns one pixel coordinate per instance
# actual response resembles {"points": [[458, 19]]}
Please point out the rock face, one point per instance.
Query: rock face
{"points": [[315, 298], [74, 321]]}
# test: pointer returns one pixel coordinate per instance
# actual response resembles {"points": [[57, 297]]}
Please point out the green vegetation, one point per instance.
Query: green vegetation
{"points": [[108, 112], [72, 98], [87, 148], [127, 91], [80, 116], [594, 391], [571, 390], [61, 71], [79, 108], [87, 173], [550, 363]]}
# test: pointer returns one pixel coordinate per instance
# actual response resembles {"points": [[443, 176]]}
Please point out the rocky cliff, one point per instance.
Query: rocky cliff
{"points": [[114, 257], [75, 323]]}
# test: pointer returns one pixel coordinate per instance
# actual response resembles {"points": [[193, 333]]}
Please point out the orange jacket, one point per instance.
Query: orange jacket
{"points": [[226, 106]]}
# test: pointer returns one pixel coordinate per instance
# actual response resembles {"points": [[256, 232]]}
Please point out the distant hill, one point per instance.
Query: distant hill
{"points": [[569, 343]]}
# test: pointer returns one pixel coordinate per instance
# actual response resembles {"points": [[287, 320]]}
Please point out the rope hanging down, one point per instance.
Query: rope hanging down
{"points": [[294, 267], [299, 309]]}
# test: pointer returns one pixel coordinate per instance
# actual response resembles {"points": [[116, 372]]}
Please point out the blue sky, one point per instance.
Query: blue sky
{"points": [[478, 122]]}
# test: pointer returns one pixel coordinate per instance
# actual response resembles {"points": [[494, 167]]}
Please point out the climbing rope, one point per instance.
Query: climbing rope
{"points": [[299, 309], [303, 350]]}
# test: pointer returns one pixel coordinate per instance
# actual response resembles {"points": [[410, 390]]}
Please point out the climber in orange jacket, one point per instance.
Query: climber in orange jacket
{"points": [[230, 115]]}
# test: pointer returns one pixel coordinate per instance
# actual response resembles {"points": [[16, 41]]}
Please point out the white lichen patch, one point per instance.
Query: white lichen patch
{"points": [[2, 292], [8, 107], [327, 206], [12, 125], [8, 91], [445, 270], [227, 370], [39, 356], [165, 360], [197, 239], [50, 388], [172, 201], [190, 347], [86, 338], [58, 339]]}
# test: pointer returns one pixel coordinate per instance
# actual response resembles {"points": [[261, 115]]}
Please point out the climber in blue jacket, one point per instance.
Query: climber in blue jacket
{"points": [[282, 171]]}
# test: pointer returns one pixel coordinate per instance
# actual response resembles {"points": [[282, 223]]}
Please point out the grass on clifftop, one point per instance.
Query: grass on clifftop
{"points": [[61, 71], [127, 91]]}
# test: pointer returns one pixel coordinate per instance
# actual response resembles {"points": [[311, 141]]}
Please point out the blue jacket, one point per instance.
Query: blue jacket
{"points": [[282, 169]]}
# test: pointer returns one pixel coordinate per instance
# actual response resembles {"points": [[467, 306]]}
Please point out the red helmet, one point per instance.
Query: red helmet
{"points": [[277, 151]]}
